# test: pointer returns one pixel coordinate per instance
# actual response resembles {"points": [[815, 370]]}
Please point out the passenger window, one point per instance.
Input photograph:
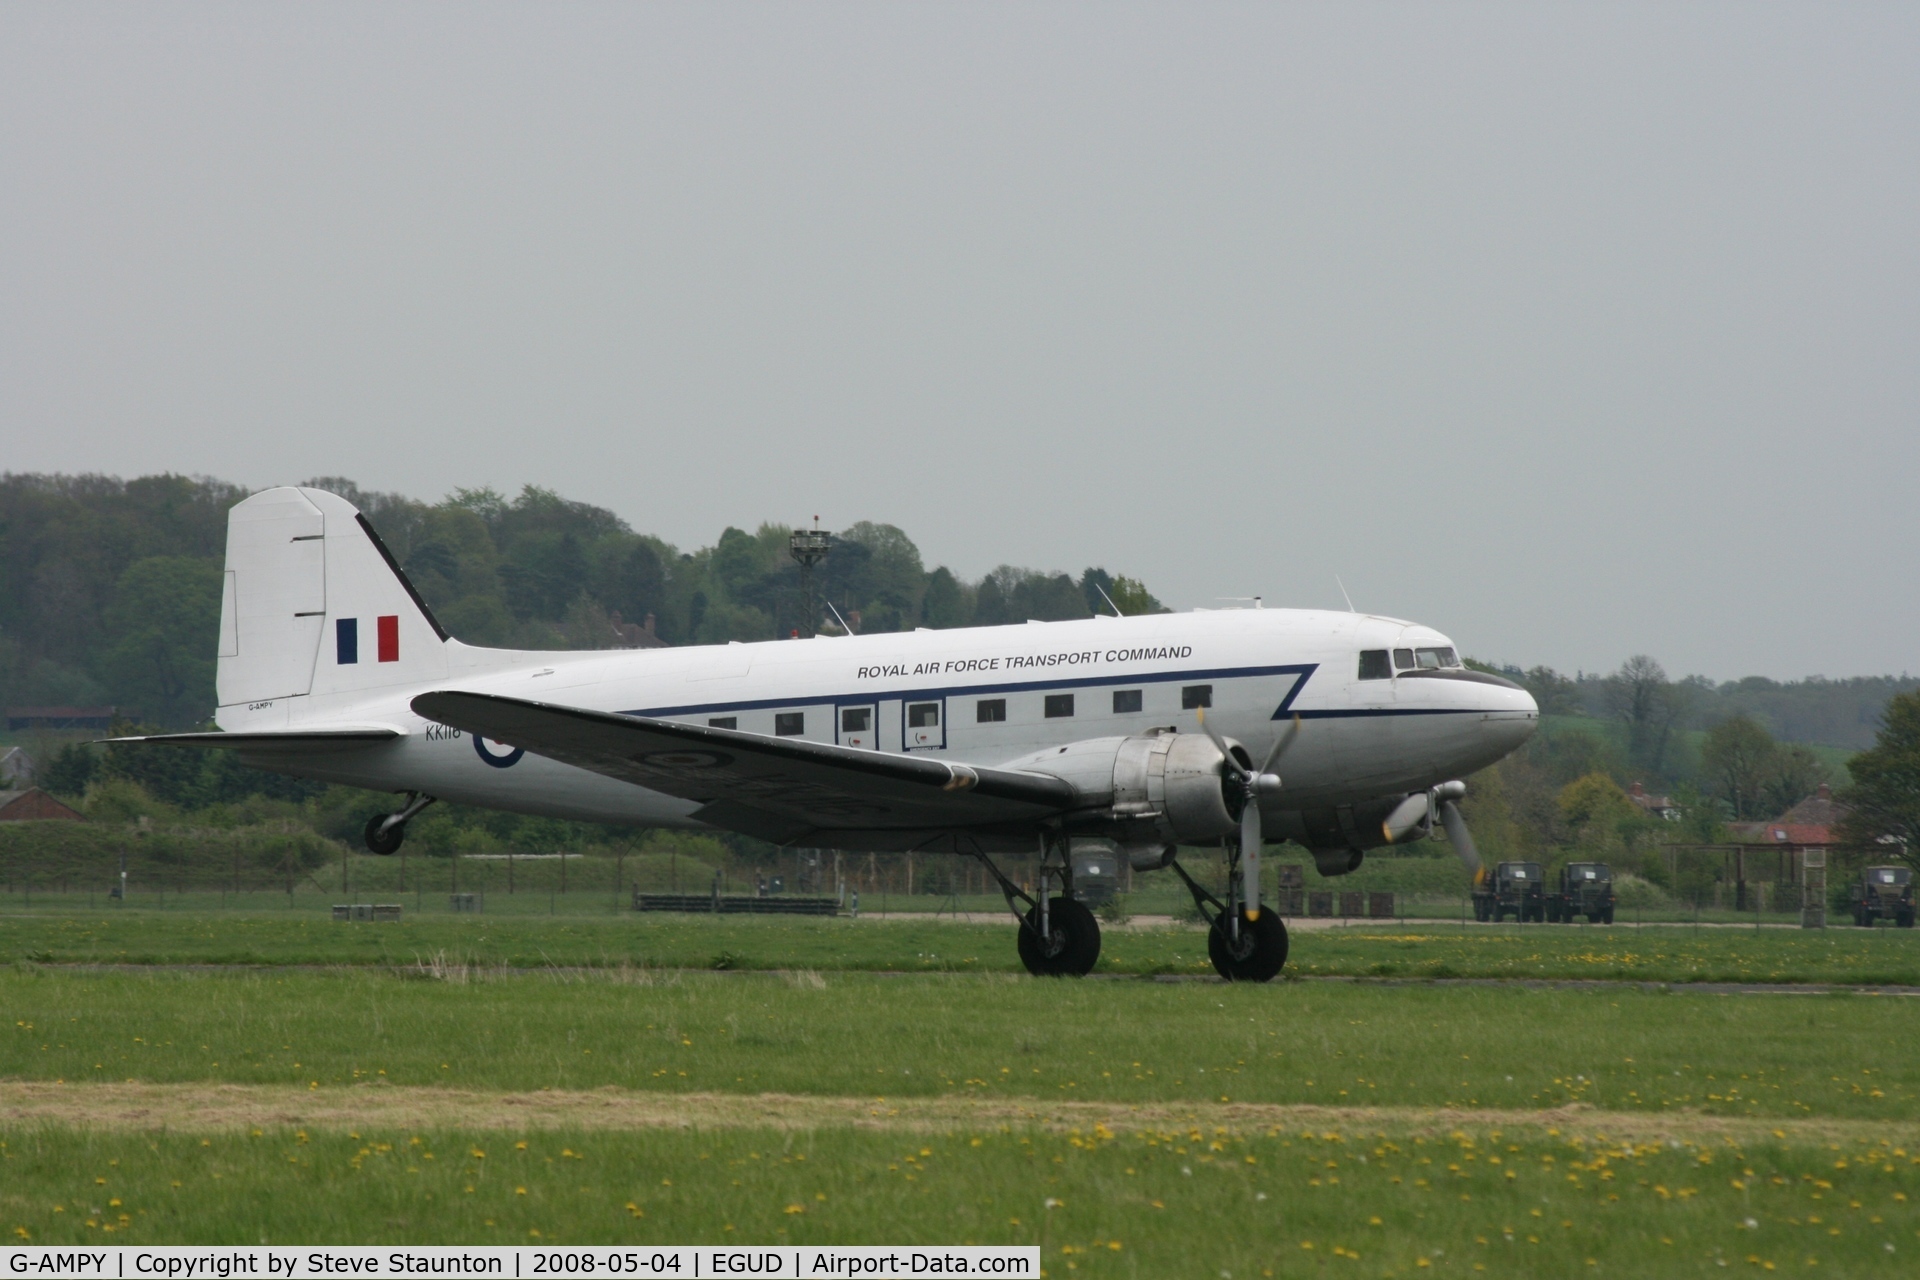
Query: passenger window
{"points": [[1196, 695], [1058, 705], [724, 722], [790, 724], [1403, 659], [855, 719], [1374, 665], [923, 715], [1125, 700], [990, 710]]}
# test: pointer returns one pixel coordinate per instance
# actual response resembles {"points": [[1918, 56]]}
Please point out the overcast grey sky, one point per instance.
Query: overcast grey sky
{"points": [[1577, 331]]}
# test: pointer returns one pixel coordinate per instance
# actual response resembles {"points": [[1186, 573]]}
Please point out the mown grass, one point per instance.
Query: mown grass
{"points": [[1155, 1201], [925, 944], [1691, 1083], [977, 1036]]}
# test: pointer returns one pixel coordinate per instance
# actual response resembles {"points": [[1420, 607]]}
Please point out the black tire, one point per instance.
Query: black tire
{"points": [[1076, 941], [1606, 917], [1260, 954], [1595, 917], [1904, 920], [385, 843]]}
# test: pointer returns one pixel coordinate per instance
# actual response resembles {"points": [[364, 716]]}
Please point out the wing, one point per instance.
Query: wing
{"points": [[290, 742], [780, 789]]}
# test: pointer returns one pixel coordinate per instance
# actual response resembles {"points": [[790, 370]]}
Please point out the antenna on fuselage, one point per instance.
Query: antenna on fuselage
{"points": [[1343, 593], [1109, 599], [837, 618]]}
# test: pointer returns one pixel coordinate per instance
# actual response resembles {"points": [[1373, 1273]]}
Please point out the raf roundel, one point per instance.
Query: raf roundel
{"points": [[498, 759]]}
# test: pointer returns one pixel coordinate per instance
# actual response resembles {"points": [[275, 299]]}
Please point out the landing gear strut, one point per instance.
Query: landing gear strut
{"points": [[385, 831], [1058, 938], [1244, 945]]}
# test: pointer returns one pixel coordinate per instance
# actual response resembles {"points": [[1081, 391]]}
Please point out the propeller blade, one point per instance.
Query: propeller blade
{"points": [[1221, 743], [1250, 842], [1280, 745], [1409, 816], [1461, 839]]}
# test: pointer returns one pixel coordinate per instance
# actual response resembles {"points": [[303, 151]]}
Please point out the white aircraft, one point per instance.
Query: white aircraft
{"points": [[979, 742]]}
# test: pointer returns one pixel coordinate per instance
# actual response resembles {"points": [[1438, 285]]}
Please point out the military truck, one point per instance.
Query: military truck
{"points": [[1585, 889], [1882, 893], [1515, 888], [1096, 875]]}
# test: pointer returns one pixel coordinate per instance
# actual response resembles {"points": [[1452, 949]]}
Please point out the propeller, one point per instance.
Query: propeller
{"points": [[1413, 819], [1252, 784], [1456, 827]]}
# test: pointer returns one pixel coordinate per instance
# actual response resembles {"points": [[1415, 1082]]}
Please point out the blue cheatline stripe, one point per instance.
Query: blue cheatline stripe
{"points": [[1302, 669], [346, 641]]}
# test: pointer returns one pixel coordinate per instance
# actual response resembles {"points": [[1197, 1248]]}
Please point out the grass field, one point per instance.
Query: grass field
{"points": [[1164, 1196], [615, 1088], [1664, 953], [977, 1036]]}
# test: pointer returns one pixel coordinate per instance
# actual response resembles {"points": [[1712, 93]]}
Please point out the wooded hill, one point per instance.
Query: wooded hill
{"points": [[110, 589]]}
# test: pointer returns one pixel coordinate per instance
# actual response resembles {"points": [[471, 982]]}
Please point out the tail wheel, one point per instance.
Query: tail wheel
{"points": [[1258, 955], [1073, 947], [388, 841]]}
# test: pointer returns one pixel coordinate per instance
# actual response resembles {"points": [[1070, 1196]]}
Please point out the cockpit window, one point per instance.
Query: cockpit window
{"points": [[1403, 659], [1892, 875], [1374, 665], [1434, 659]]}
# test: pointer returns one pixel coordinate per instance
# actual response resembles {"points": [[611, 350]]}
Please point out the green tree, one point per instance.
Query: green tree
{"points": [[1884, 800], [165, 620], [1557, 695], [945, 602], [1796, 773], [1593, 803], [1641, 697], [1736, 759], [71, 771], [1754, 775]]}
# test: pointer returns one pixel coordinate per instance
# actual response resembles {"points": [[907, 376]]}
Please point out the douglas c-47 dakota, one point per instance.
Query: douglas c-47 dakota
{"points": [[1339, 731]]}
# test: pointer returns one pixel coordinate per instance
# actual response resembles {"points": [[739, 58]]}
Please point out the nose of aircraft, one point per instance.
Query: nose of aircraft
{"points": [[1512, 720]]}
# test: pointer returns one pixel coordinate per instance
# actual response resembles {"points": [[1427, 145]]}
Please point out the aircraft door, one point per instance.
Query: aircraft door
{"points": [[923, 724], [857, 726]]}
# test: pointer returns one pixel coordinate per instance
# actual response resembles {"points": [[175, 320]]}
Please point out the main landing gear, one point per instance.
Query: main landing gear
{"points": [[385, 831], [1058, 938], [1245, 943]]}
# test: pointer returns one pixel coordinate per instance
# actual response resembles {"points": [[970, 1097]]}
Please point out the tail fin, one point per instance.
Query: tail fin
{"points": [[314, 605]]}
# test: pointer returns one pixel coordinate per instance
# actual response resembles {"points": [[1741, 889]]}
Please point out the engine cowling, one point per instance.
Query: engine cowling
{"points": [[1148, 792]]}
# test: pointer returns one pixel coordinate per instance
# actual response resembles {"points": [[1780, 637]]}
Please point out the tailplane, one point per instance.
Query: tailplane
{"points": [[313, 605]]}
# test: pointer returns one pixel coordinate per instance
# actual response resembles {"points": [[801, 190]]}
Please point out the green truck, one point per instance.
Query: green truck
{"points": [[1882, 893], [1518, 889], [1586, 889]]}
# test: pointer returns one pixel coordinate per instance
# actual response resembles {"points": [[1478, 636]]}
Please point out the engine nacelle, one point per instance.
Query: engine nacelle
{"points": [[1148, 792]]}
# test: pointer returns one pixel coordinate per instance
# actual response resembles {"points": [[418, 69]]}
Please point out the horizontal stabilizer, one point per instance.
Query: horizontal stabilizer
{"points": [[780, 789], [302, 742]]}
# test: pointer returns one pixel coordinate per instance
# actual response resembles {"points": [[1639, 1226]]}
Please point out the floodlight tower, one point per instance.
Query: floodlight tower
{"points": [[809, 547]]}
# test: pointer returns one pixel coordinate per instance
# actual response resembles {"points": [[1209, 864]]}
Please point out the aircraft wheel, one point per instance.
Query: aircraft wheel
{"points": [[386, 842], [1259, 955], [1075, 945]]}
